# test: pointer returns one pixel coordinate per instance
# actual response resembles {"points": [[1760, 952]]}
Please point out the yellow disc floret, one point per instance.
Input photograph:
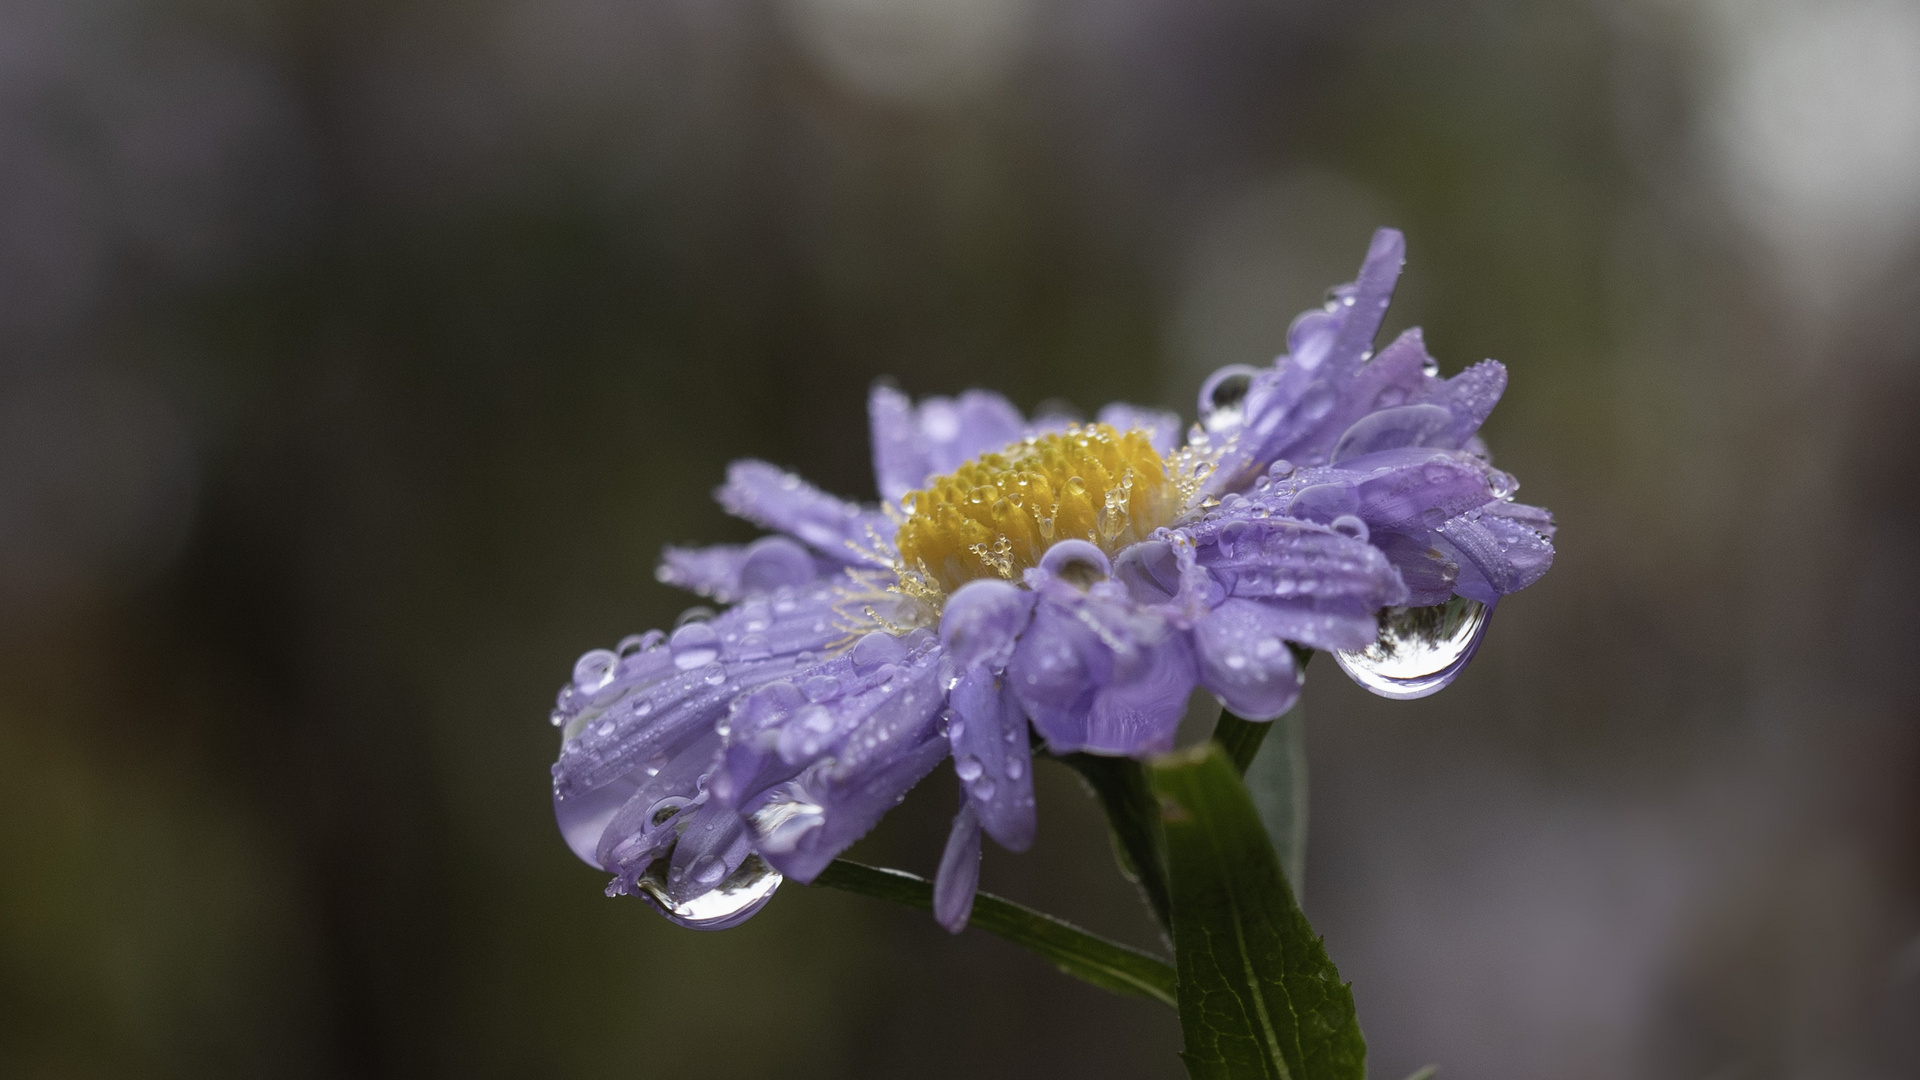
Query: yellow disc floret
{"points": [[997, 514]]}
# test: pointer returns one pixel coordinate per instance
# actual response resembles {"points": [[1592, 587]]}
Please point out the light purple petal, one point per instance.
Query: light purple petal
{"points": [[1139, 714], [730, 572], [1496, 554], [1162, 428], [852, 738], [712, 844], [776, 499], [981, 621], [912, 444], [992, 756], [658, 699], [959, 877], [1097, 672], [1392, 429], [1244, 659]]}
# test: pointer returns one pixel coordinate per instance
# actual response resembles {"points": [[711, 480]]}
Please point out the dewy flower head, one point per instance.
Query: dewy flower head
{"points": [[1080, 580]]}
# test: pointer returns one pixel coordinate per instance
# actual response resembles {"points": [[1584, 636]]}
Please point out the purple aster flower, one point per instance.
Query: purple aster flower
{"points": [[1075, 581]]}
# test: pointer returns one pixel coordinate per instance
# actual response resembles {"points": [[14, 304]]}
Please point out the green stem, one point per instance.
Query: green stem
{"points": [[1106, 964], [1121, 786]]}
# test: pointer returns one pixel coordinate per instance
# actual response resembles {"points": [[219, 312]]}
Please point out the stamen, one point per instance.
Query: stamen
{"points": [[997, 514]]}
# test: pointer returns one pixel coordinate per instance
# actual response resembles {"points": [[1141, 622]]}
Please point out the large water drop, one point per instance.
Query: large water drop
{"points": [[727, 904], [1419, 650], [1223, 398], [783, 820], [694, 645]]}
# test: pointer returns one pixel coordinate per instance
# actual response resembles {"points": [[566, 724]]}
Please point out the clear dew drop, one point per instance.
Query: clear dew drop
{"points": [[1419, 650], [1223, 398], [639, 643], [983, 788], [968, 769], [594, 670], [728, 903], [785, 819], [694, 645], [1280, 469], [1350, 526], [695, 614], [1016, 768]]}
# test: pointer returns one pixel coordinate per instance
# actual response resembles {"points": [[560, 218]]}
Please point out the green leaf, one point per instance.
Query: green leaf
{"points": [[1277, 781], [1241, 739], [1106, 964], [1257, 995], [1121, 786]]}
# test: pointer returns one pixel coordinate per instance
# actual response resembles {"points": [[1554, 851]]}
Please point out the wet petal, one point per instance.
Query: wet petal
{"points": [[730, 572], [1244, 659], [657, 700], [981, 621], [851, 748], [959, 876], [712, 844], [992, 756], [911, 444], [776, 499], [1162, 428], [1391, 429], [1101, 674]]}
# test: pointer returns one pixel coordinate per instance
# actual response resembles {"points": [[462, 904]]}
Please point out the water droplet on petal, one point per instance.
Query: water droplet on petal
{"points": [[982, 788], [1223, 398], [594, 670], [729, 903], [784, 819], [694, 645], [1419, 650], [1016, 768], [820, 687], [877, 648], [693, 614], [1350, 526], [709, 869], [1280, 469], [968, 768]]}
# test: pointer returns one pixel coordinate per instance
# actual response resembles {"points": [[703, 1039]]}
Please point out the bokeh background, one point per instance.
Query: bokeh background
{"points": [[357, 357]]}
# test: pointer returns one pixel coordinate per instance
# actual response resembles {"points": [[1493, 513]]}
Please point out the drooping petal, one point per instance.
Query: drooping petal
{"points": [[1139, 714], [643, 827], [1496, 554], [959, 876], [815, 768], [981, 622], [992, 756], [1244, 660], [712, 844], [645, 707], [1099, 673], [776, 499]]}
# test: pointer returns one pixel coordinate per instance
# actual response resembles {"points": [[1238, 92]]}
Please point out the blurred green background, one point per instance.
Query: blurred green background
{"points": [[356, 359]]}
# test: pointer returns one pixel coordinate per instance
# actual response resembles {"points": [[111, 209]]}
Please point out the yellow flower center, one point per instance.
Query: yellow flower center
{"points": [[997, 514]]}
